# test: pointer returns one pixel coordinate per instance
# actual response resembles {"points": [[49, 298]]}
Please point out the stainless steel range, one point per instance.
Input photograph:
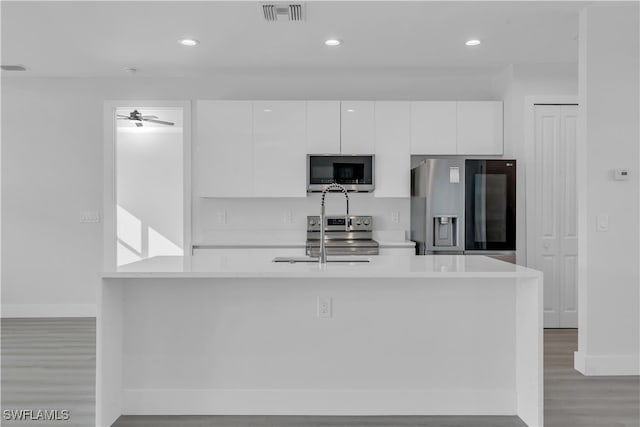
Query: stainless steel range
{"points": [[344, 235]]}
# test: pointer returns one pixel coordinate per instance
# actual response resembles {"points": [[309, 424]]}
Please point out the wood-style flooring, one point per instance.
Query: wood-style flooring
{"points": [[50, 364]]}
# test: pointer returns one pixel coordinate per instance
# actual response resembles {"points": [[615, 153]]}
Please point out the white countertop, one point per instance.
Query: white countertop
{"points": [[381, 266]]}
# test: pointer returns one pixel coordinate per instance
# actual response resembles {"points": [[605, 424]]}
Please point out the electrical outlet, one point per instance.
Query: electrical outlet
{"points": [[288, 217], [324, 307], [395, 217], [602, 223], [222, 218]]}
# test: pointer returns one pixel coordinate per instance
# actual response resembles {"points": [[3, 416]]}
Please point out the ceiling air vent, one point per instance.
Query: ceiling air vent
{"points": [[282, 12], [13, 68]]}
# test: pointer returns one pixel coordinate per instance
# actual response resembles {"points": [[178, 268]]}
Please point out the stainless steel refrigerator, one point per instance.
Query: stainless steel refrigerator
{"points": [[465, 206]]}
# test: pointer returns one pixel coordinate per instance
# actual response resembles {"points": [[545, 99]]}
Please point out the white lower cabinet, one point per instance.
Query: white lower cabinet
{"points": [[392, 149]]}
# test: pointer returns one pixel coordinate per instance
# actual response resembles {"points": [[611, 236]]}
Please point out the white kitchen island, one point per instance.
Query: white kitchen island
{"points": [[408, 335]]}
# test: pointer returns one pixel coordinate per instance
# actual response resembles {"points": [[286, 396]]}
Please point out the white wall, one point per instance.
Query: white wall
{"points": [[52, 141], [609, 279]]}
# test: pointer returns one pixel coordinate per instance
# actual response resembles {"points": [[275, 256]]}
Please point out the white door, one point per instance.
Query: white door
{"points": [[556, 212]]}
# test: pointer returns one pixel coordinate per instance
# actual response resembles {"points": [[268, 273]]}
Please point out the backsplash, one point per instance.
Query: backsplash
{"points": [[260, 220]]}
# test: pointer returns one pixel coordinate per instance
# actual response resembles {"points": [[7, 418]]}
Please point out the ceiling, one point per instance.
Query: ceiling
{"points": [[103, 38]]}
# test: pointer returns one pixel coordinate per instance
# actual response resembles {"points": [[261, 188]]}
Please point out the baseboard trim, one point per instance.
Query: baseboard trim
{"points": [[48, 310], [609, 364], [319, 402]]}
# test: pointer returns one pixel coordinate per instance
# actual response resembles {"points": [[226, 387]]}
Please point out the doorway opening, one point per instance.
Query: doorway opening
{"points": [[146, 172]]}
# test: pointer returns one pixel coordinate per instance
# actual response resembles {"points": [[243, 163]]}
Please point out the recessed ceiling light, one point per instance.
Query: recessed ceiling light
{"points": [[267, 110], [350, 110], [473, 42], [188, 42], [333, 42]]}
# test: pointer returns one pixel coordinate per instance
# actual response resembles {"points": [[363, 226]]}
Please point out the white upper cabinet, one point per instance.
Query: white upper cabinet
{"points": [[223, 146], [323, 127], [357, 127], [433, 127], [392, 148], [259, 148], [480, 127], [462, 127], [279, 148]]}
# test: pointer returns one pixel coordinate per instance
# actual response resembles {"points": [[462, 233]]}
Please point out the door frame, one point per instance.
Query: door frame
{"points": [[530, 162], [109, 197]]}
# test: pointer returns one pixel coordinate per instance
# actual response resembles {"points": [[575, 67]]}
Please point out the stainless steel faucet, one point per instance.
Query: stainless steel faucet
{"points": [[322, 256]]}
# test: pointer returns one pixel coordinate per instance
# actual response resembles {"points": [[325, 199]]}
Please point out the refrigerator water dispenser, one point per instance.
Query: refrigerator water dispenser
{"points": [[445, 231]]}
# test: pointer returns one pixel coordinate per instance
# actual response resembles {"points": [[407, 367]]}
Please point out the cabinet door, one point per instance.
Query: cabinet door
{"points": [[480, 127], [279, 149], [433, 127], [392, 145], [223, 149], [323, 127], [357, 127]]}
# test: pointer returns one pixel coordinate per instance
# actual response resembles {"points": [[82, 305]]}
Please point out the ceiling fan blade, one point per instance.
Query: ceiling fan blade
{"points": [[158, 121], [138, 124], [149, 117], [120, 116]]}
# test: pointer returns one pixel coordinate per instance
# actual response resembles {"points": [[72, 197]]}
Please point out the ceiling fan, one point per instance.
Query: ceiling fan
{"points": [[138, 118]]}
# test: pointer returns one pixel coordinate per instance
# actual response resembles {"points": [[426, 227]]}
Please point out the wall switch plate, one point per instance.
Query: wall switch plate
{"points": [[395, 217], [89, 216], [602, 223], [324, 307], [621, 174]]}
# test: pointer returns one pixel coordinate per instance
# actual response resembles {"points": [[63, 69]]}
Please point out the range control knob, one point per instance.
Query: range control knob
{"points": [[358, 223], [366, 221], [312, 221]]}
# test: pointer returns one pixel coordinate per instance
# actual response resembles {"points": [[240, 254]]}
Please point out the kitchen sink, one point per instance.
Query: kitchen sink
{"points": [[294, 260]]}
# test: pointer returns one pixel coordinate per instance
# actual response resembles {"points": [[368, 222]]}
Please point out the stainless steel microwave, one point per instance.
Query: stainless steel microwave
{"points": [[354, 172]]}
